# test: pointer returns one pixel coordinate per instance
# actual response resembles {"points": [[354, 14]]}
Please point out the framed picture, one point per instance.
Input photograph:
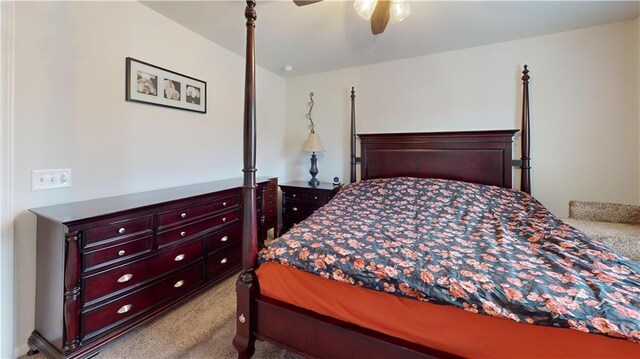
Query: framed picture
{"points": [[154, 85]]}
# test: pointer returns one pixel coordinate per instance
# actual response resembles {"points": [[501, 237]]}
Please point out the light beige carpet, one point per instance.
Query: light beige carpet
{"points": [[200, 328], [614, 225]]}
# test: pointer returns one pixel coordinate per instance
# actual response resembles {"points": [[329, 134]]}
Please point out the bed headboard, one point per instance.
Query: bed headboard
{"points": [[472, 156]]}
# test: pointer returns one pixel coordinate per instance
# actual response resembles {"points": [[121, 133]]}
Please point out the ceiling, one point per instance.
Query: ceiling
{"points": [[330, 35]]}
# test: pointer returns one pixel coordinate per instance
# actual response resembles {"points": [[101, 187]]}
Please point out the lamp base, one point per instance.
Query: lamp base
{"points": [[313, 182]]}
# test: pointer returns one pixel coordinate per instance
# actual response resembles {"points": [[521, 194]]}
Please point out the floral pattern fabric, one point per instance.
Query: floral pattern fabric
{"points": [[484, 249]]}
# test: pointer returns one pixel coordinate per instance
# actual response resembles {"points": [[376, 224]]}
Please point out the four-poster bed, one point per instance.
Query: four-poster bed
{"points": [[271, 308]]}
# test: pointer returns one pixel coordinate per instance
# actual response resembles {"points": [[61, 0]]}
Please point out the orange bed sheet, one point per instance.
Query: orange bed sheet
{"points": [[437, 326]]}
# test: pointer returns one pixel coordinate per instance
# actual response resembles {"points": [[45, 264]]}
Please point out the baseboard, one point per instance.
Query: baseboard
{"points": [[20, 351]]}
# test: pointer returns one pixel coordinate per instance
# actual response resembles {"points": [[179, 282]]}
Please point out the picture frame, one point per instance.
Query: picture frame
{"points": [[154, 85]]}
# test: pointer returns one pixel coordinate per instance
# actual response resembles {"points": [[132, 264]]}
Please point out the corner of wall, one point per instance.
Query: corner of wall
{"points": [[7, 293], [637, 33]]}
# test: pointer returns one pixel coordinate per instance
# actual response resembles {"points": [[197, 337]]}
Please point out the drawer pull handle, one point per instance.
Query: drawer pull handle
{"points": [[224, 219], [224, 204], [224, 239], [183, 215], [179, 257], [183, 233], [124, 309], [223, 261], [295, 209], [125, 278], [121, 230], [121, 252], [178, 284], [315, 197], [293, 195]]}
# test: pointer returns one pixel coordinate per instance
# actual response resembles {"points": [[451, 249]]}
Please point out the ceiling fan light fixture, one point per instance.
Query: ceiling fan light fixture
{"points": [[399, 11], [365, 8]]}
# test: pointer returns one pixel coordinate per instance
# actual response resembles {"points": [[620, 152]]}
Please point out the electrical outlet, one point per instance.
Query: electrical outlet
{"points": [[50, 179]]}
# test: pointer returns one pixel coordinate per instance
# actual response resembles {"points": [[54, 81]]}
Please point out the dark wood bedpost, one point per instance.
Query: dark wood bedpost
{"points": [[525, 179], [246, 286], [353, 135]]}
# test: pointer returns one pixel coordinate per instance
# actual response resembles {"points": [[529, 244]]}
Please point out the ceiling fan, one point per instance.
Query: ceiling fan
{"points": [[380, 12]]}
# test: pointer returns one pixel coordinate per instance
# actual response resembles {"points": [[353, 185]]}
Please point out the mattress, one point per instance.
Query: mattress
{"points": [[441, 327]]}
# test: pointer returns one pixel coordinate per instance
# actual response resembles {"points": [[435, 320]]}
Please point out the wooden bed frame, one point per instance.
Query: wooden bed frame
{"points": [[474, 156]]}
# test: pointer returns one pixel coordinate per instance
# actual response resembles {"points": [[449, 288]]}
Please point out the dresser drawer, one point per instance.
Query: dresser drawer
{"points": [[197, 228], [294, 194], [271, 207], [116, 253], [316, 197], [299, 208], [121, 230], [104, 317], [196, 211], [221, 263], [224, 237], [120, 278]]}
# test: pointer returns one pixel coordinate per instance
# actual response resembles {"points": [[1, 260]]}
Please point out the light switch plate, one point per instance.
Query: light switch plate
{"points": [[50, 179]]}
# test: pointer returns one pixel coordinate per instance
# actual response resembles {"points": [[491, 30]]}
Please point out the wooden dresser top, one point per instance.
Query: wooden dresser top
{"points": [[76, 211]]}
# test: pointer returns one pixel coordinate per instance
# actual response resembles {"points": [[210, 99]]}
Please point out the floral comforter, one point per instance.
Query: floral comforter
{"points": [[483, 249]]}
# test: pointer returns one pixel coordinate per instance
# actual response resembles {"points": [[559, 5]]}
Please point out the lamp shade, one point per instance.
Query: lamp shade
{"points": [[312, 144], [365, 8], [399, 10]]}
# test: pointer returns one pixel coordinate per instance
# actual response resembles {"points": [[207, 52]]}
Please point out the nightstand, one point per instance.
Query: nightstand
{"points": [[300, 200]]}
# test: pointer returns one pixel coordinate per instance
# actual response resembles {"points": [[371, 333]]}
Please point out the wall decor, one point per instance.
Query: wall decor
{"points": [[155, 85]]}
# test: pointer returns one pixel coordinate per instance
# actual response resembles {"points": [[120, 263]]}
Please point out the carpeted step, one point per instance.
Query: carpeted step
{"points": [[612, 224], [604, 212], [621, 237]]}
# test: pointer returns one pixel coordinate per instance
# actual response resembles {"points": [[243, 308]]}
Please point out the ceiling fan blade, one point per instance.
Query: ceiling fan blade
{"points": [[380, 16], [305, 2]]}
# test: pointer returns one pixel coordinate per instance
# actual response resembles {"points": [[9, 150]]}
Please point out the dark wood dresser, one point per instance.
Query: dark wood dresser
{"points": [[108, 265], [300, 200]]}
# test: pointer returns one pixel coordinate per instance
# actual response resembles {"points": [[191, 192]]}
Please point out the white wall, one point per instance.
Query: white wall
{"points": [[584, 108], [70, 112]]}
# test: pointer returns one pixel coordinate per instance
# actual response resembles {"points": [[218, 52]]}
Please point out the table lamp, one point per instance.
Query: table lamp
{"points": [[313, 145]]}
